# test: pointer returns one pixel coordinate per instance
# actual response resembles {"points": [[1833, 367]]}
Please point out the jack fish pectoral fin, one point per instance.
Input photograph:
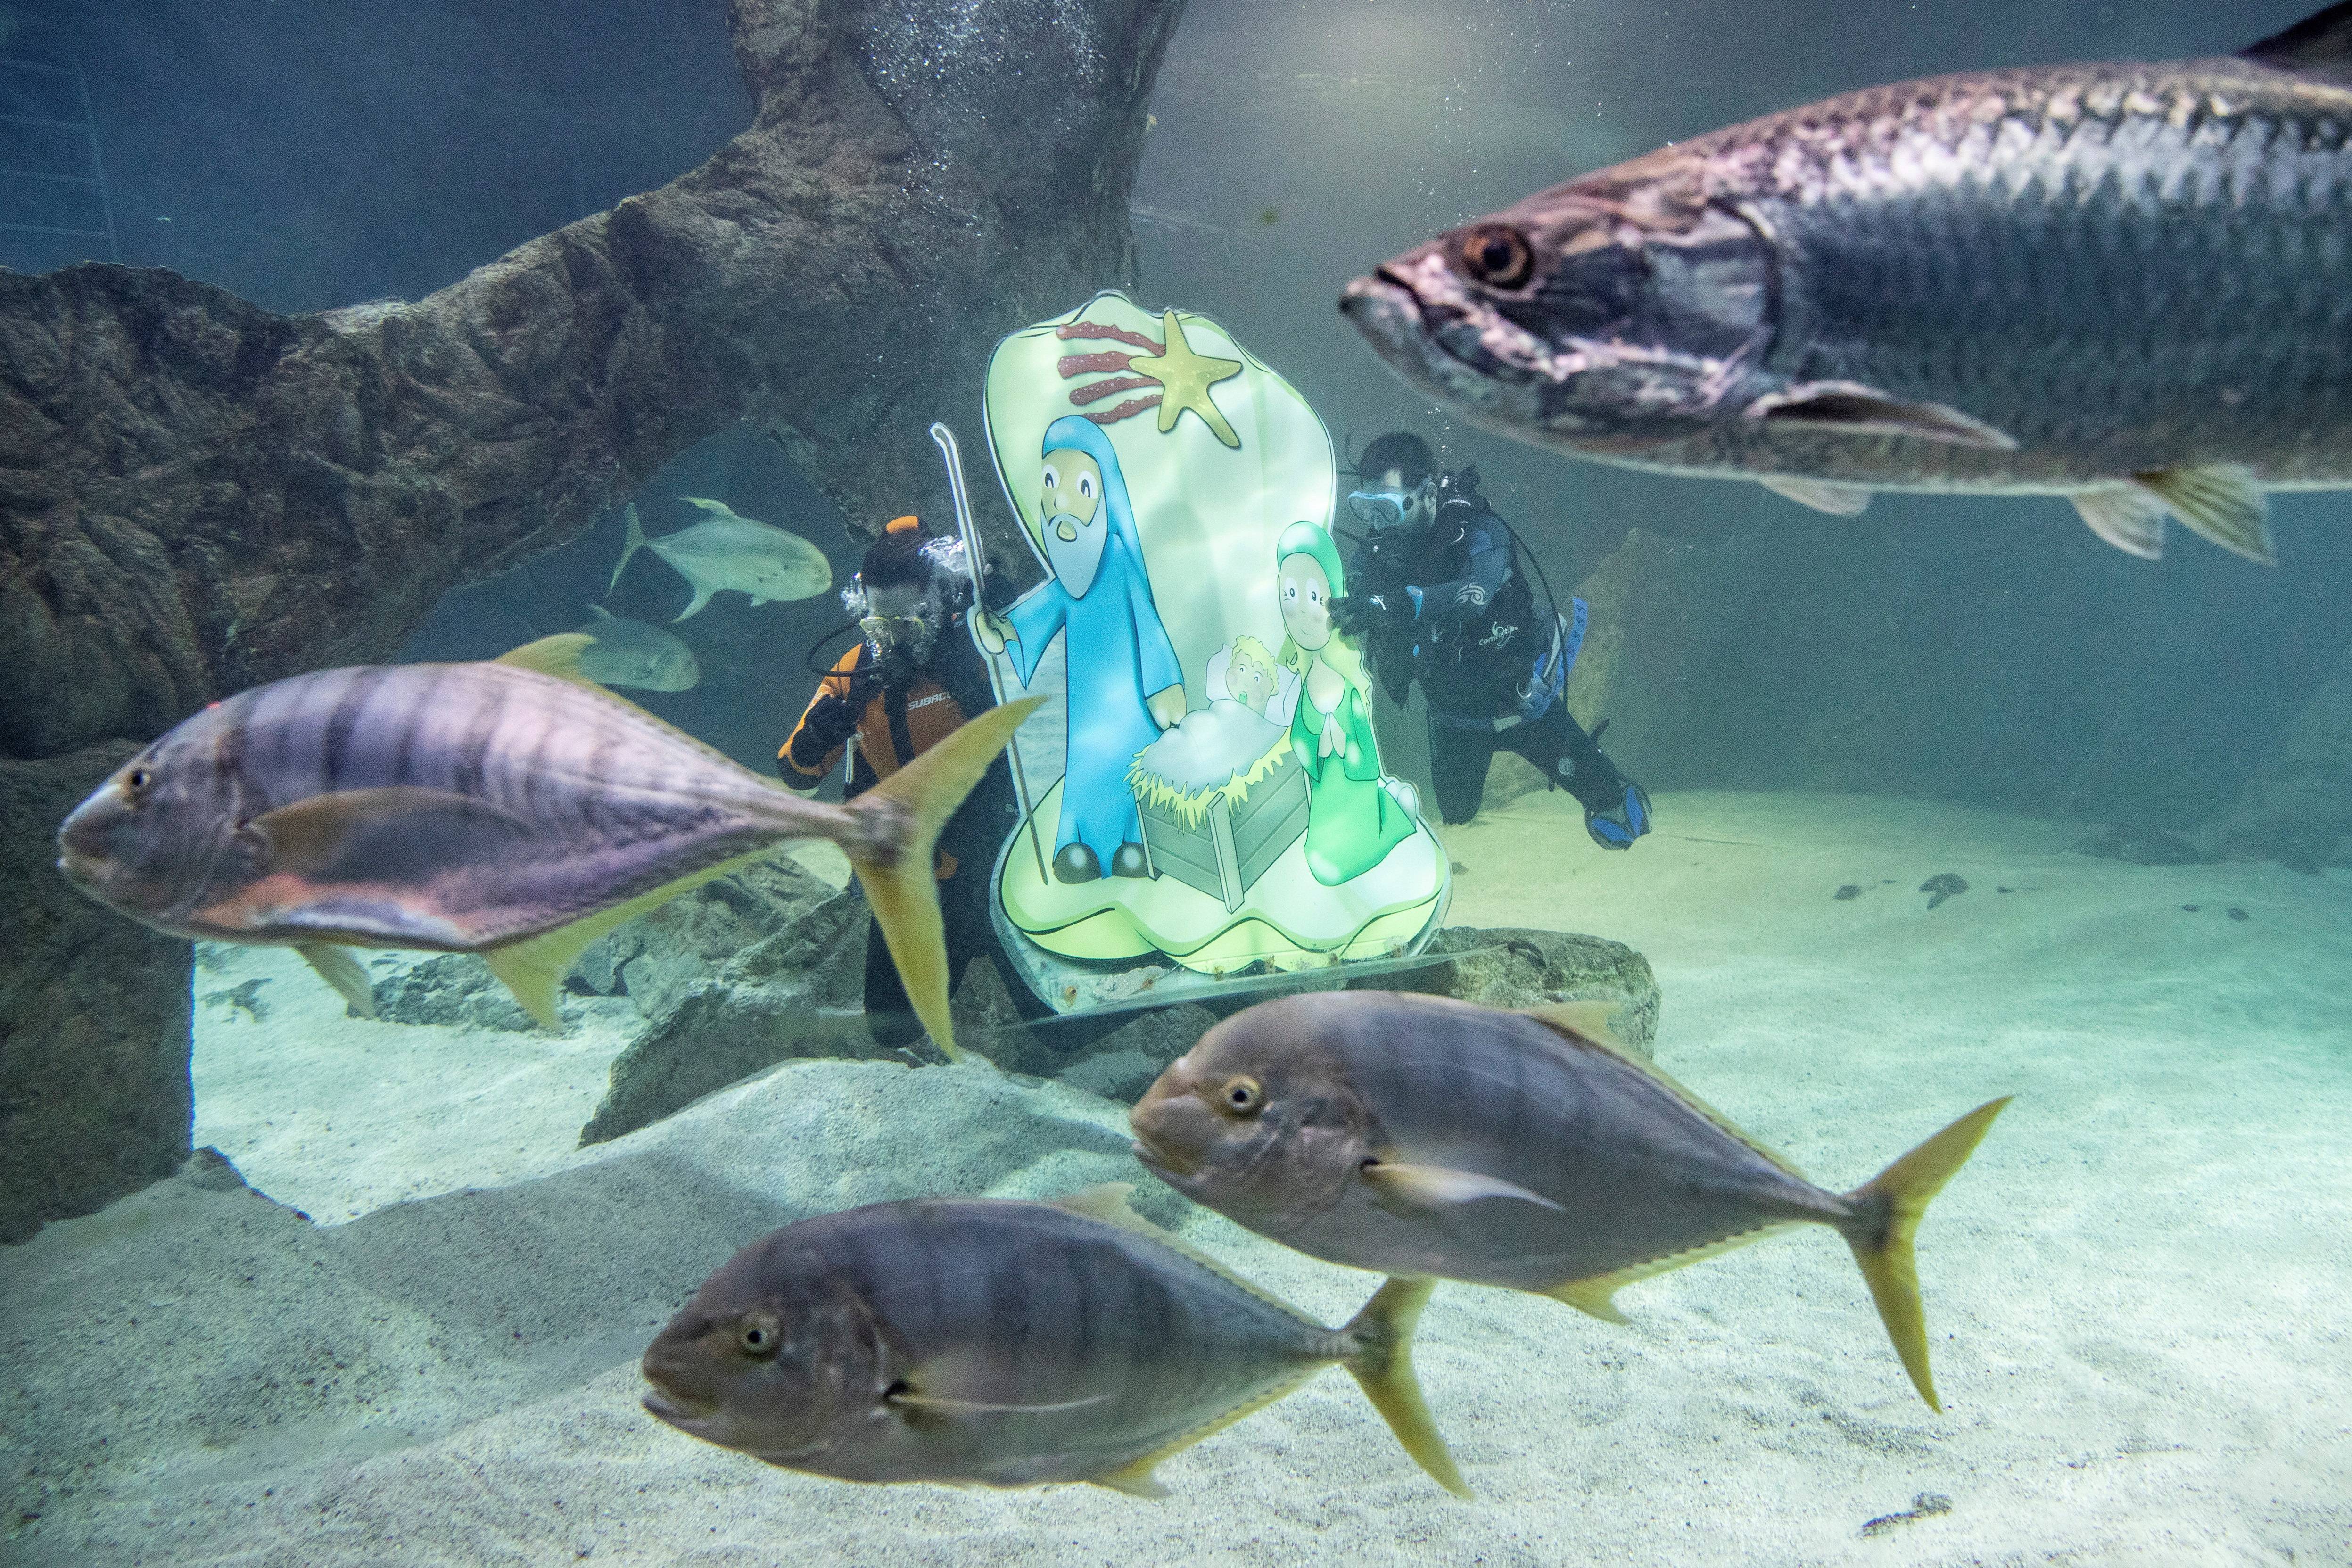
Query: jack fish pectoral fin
{"points": [[1886, 1218], [1848, 408], [901, 884], [339, 969], [391, 833], [2131, 519], [1428, 1188], [2220, 502], [1838, 501]]}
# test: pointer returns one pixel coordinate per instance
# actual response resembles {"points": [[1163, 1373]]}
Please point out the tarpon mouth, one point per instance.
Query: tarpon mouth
{"points": [[1435, 344]]}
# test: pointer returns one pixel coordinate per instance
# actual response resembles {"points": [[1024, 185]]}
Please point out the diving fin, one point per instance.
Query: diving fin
{"points": [[903, 815]]}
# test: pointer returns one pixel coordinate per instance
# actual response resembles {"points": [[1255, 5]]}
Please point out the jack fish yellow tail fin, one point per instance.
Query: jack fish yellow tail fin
{"points": [[1887, 1213], [900, 884], [1383, 1367]]}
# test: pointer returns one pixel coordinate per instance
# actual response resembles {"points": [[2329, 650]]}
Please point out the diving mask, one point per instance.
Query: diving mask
{"points": [[908, 637], [1384, 509]]}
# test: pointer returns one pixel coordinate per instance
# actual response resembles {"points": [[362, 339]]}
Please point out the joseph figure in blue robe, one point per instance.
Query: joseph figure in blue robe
{"points": [[1126, 685]]}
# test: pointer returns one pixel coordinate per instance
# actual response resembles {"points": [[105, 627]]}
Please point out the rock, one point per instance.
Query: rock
{"points": [[1512, 966], [1943, 884], [198, 495], [2142, 846], [2298, 811], [755, 968], [94, 1012], [1849, 890], [1121, 1075], [455, 990]]}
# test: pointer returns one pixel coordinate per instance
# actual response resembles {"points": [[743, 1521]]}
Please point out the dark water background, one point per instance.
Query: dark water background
{"points": [[308, 155]]}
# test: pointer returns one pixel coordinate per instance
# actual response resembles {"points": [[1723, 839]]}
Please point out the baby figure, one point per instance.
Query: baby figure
{"points": [[1250, 676]]}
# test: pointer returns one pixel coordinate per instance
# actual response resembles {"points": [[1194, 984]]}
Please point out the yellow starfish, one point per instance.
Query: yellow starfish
{"points": [[1185, 378]]}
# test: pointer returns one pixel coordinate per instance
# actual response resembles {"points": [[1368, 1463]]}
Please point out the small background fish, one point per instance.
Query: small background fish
{"points": [[631, 653], [724, 550]]}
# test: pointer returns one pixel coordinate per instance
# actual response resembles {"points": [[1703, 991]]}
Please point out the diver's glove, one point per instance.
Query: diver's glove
{"points": [[1354, 615]]}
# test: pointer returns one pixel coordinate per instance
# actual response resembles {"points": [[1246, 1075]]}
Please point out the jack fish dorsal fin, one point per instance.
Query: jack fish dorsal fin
{"points": [[1107, 1202], [1578, 1037], [2318, 46], [1588, 1018], [558, 656]]}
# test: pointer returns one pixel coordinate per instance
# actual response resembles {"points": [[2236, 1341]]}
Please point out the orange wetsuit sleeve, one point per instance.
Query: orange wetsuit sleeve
{"points": [[813, 747]]}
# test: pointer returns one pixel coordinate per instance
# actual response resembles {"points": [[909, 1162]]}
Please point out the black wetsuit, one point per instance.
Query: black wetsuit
{"points": [[1460, 618]]}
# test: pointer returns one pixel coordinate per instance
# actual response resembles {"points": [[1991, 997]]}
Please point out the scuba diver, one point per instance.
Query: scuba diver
{"points": [[1435, 593], [908, 683]]}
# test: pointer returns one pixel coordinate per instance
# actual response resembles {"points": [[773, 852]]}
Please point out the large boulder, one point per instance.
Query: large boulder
{"points": [[198, 495], [94, 1011]]}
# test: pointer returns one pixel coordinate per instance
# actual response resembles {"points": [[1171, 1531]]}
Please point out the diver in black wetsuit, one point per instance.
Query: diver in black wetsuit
{"points": [[1435, 593]]}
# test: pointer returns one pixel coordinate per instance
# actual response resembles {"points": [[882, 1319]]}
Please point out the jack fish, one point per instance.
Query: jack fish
{"points": [[989, 1343], [2129, 285], [724, 550], [631, 653], [1424, 1137], [507, 809]]}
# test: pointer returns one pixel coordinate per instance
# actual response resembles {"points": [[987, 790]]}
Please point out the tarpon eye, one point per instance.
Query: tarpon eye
{"points": [[1244, 1097], [759, 1335], [1499, 256]]}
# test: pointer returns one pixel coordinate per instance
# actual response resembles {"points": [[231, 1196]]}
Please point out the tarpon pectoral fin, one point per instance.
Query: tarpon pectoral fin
{"points": [[1427, 1187], [558, 656], [377, 833], [1838, 501], [339, 969], [1587, 1019], [2220, 502], [2320, 45], [1848, 408], [2130, 519]]}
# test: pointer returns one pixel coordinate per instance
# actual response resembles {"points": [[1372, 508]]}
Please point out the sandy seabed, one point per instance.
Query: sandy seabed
{"points": [[2136, 1291]]}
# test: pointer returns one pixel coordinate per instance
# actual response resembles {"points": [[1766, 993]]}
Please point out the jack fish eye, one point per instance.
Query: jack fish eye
{"points": [[1498, 256], [1244, 1097], [139, 780], [758, 1335]]}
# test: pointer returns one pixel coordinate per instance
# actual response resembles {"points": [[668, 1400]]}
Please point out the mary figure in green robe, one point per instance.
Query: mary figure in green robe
{"points": [[1352, 820]]}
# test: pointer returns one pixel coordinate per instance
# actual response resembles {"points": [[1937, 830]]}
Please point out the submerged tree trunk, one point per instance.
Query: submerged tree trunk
{"points": [[197, 495]]}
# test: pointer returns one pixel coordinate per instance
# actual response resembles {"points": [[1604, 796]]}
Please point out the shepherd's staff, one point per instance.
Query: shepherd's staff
{"points": [[973, 561]]}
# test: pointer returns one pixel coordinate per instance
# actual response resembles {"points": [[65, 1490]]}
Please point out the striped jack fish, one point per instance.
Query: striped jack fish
{"points": [[510, 809], [1424, 1137], [985, 1341], [2128, 285]]}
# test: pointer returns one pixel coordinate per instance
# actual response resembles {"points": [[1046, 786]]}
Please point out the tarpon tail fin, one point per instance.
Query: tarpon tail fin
{"points": [[1887, 1217], [900, 884], [632, 541], [1382, 1365]]}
